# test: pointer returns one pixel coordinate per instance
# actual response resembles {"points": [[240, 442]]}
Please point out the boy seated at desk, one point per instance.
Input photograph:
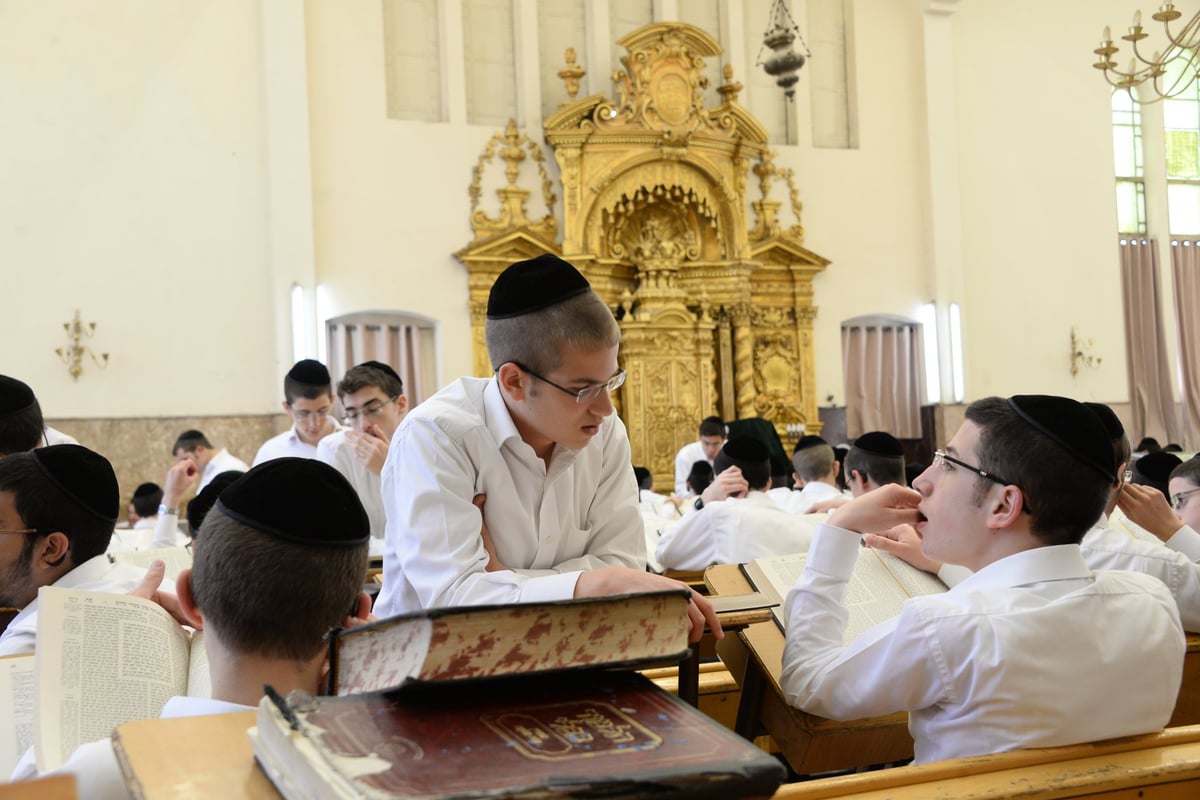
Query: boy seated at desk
{"points": [[269, 578], [1026, 652]]}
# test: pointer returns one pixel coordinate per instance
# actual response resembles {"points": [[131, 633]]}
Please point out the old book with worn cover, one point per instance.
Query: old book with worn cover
{"points": [[595, 733], [445, 644]]}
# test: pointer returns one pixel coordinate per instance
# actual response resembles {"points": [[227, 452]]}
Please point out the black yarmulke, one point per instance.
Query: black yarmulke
{"points": [[1072, 426], [146, 489], [532, 285], [1108, 418], [807, 442], [203, 502], [382, 367], [1155, 468], [299, 500], [15, 396], [84, 475], [880, 443], [740, 451], [311, 372]]}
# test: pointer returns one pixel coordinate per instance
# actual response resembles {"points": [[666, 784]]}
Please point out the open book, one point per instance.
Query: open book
{"points": [[176, 559], [104, 659], [444, 644], [16, 710], [878, 588], [596, 733]]}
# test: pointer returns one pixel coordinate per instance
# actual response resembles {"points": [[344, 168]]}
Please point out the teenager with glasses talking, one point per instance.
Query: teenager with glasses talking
{"points": [[518, 487]]}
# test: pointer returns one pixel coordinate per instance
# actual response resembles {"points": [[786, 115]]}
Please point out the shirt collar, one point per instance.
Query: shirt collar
{"points": [[503, 430], [1037, 565]]}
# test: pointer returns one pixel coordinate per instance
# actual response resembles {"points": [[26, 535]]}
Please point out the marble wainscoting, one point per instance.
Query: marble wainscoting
{"points": [[140, 449]]}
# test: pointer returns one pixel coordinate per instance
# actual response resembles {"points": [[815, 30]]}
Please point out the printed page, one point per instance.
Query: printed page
{"points": [[103, 659], [915, 582], [199, 682], [16, 710], [774, 577]]}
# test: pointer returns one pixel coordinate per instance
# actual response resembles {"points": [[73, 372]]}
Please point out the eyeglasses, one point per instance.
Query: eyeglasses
{"points": [[368, 411], [1179, 500], [304, 415], [19, 530], [940, 458], [587, 393]]}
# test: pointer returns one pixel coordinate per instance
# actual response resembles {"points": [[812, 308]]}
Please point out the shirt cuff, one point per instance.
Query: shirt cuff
{"points": [[1186, 541], [834, 551], [550, 587]]}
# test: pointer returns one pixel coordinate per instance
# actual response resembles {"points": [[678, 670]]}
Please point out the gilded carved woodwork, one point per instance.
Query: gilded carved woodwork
{"points": [[716, 309]]}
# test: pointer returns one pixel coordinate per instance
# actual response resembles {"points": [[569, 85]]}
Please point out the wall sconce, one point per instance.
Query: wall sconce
{"points": [[1081, 354], [72, 354]]}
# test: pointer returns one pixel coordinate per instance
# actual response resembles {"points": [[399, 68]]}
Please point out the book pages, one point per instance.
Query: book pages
{"points": [[916, 582], [176, 559], [102, 659], [16, 710], [199, 680]]}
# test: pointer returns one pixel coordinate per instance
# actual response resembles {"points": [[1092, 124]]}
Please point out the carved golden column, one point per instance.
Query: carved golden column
{"points": [[743, 359]]}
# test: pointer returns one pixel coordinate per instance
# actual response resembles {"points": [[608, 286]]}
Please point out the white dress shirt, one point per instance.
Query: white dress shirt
{"points": [[734, 531], [289, 443], [337, 451], [547, 524], [97, 774], [96, 574], [799, 501], [222, 461], [1034, 650], [688, 455], [53, 437]]}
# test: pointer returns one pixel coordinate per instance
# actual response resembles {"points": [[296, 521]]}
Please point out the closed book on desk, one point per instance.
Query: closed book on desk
{"points": [[594, 733], [443, 644]]}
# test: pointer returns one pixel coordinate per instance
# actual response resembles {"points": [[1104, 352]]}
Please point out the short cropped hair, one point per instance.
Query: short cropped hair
{"points": [[21, 430], [813, 463], [700, 476], [146, 505], [644, 479], [712, 426], [1063, 497], [45, 506], [1189, 471], [880, 469], [364, 375], [293, 390], [537, 340], [190, 441], [269, 597], [756, 473]]}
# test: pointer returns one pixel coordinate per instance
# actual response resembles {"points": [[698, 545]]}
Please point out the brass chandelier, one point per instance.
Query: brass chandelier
{"points": [[1178, 62]]}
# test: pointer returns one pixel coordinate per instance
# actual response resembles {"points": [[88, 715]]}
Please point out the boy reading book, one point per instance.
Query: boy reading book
{"points": [[270, 577], [1027, 651]]}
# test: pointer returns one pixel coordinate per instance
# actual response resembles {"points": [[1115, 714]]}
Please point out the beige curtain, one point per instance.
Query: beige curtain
{"points": [[1150, 395], [1185, 271], [401, 346], [882, 374]]}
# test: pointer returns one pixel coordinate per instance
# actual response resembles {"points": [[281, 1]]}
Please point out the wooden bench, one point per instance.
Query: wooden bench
{"points": [[718, 692], [1151, 767]]}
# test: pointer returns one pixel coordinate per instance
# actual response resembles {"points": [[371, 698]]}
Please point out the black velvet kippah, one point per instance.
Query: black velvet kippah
{"points": [[740, 450], [532, 285], [1072, 426], [382, 367], [807, 442], [15, 396], [310, 372], [1155, 468], [84, 475], [299, 500], [1108, 418], [203, 502], [880, 443], [146, 489]]}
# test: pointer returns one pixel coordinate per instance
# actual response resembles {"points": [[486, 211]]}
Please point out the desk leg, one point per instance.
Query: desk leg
{"points": [[753, 686], [689, 677]]}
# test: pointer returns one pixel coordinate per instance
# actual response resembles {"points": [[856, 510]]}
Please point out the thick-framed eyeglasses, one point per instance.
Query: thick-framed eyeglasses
{"points": [[587, 393], [304, 415], [940, 459], [368, 411], [1179, 500]]}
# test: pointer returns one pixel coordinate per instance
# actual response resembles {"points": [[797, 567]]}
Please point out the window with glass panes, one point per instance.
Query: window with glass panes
{"points": [[1181, 124], [1127, 156]]}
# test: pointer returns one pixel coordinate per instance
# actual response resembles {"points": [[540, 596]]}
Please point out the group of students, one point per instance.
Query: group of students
{"points": [[518, 488]]}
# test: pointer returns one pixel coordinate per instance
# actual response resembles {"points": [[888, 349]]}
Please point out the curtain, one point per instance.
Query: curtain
{"points": [[882, 374], [397, 345], [1185, 271], [1150, 395]]}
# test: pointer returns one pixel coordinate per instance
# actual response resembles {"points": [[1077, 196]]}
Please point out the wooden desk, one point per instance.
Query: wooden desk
{"points": [[813, 744]]}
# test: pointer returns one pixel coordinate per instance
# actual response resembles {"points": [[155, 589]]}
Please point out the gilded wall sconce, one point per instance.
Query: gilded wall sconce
{"points": [[72, 355], [1081, 353]]}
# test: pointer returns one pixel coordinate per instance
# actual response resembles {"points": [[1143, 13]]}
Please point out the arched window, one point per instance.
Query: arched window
{"points": [[404, 341], [1128, 165]]}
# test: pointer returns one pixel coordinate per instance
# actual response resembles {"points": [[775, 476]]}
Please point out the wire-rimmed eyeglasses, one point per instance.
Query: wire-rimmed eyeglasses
{"points": [[587, 393]]}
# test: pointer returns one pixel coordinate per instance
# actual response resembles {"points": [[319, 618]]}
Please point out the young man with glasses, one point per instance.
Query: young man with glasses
{"points": [[373, 396], [519, 487], [1026, 651], [308, 400]]}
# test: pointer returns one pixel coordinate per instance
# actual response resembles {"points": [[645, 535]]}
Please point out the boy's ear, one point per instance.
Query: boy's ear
{"points": [[187, 603]]}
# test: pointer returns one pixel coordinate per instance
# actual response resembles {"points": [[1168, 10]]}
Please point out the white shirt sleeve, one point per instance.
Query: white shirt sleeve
{"points": [[889, 668], [1186, 541], [683, 466], [166, 531]]}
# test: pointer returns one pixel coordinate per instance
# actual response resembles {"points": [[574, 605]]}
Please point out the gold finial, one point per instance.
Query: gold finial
{"points": [[571, 74], [730, 88]]}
